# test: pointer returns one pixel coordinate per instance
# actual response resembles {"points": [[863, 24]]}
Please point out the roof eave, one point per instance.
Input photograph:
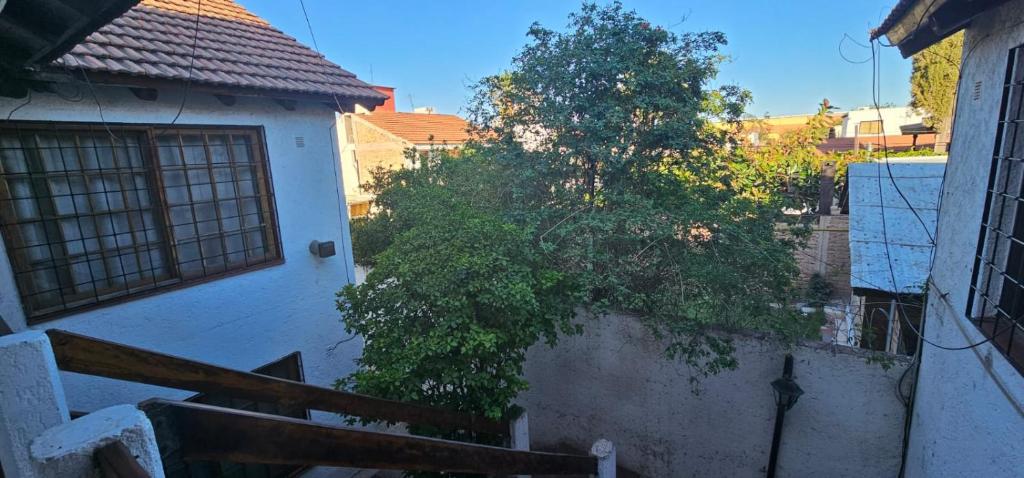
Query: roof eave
{"points": [[30, 47], [915, 25], [345, 102]]}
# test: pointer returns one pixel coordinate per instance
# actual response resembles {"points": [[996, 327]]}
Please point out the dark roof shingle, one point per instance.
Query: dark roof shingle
{"points": [[234, 48]]}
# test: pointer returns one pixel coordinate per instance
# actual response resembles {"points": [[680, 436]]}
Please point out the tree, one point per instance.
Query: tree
{"points": [[789, 166], [629, 187], [933, 81], [601, 185], [456, 294]]}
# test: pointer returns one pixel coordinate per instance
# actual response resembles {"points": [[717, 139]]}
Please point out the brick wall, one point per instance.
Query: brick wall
{"points": [[828, 253]]}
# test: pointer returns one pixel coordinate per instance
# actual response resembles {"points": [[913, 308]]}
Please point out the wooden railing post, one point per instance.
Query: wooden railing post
{"points": [[604, 451]]}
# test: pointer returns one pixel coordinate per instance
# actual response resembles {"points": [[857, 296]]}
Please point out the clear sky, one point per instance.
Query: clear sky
{"points": [[785, 52]]}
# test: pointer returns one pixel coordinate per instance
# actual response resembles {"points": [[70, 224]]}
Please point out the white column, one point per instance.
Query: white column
{"points": [[604, 450], [68, 449], [519, 434], [31, 398]]}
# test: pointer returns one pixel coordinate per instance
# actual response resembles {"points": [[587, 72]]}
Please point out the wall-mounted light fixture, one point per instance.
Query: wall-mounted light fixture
{"points": [[787, 392], [322, 249]]}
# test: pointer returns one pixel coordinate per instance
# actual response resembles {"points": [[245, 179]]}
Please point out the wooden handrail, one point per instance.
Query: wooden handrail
{"points": [[87, 355], [204, 432], [116, 461]]}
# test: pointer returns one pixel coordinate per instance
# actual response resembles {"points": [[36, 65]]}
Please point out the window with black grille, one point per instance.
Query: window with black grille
{"points": [[91, 214], [996, 302]]}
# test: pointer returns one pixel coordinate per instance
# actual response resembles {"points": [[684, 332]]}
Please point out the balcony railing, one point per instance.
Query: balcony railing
{"points": [[204, 432]]}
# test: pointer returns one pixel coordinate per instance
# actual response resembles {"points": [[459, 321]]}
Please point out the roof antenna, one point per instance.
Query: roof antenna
{"points": [[411, 104], [371, 73]]}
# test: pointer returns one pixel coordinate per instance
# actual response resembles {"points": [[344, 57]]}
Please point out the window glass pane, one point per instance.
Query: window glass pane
{"points": [[68, 221], [92, 214], [217, 170]]}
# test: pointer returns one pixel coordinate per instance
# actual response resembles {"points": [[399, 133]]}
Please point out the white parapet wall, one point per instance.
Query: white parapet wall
{"points": [[615, 382], [38, 439]]}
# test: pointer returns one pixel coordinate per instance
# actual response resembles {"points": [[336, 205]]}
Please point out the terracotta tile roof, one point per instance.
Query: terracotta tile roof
{"points": [[421, 128], [235, 49]]}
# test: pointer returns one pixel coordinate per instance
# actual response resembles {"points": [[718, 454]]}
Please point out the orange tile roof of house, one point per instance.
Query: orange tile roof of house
{"points": [[420, 128], [235, 49]]}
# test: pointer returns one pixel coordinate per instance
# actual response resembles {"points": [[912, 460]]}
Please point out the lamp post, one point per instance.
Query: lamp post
{"points": [[787, 392]]}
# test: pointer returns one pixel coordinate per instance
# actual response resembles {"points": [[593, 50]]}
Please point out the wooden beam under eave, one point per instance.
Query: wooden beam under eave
{"points": [[145, 94], [286, 104], [226, 100]]}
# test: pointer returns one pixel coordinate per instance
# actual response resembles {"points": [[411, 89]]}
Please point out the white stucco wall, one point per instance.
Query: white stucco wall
{"points": [[614, 382], [968, 417], [242, 321], [892, 119]]}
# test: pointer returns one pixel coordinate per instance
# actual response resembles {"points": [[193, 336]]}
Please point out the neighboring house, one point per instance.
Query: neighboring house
{"points": [[168, 200], [968, 411], [892, 128], [381, 140], [895, 128], [886, 233], [871, 121], [759, 131]]}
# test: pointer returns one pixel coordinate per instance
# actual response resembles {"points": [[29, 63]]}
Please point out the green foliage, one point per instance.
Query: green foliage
{"points": [[601, 185], [789, 167], [454, 299], [818, 290], [933, 81], [628, 184]]}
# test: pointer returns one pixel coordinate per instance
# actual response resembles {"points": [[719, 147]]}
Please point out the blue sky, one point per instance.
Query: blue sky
{"points": [[785, 52]]}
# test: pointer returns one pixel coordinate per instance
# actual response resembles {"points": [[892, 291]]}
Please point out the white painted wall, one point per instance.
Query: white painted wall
{"points": [[614, 382], [242, 321], [969, 413], [892, 119]]}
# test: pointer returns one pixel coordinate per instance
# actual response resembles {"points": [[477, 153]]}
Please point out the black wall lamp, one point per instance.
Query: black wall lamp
{"points": [[787, 392], [322, 250]]}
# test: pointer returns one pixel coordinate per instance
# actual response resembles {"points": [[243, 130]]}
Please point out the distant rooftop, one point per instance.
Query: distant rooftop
{"points": [[421, 128]]}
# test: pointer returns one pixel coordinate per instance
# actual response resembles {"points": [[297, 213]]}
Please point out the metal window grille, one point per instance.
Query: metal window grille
{"points": [[91, 215], [996, 301]]}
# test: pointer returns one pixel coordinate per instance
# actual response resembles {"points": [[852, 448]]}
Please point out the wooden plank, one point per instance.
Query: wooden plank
{"points": [[212, 433], [116, 461], [86, 355]]}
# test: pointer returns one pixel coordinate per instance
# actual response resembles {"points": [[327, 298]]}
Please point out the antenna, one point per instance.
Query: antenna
{"points": [[411, 103], [371, 73]]}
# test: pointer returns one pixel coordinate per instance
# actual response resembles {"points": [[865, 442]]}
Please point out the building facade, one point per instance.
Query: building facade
{"points": [[385, 139], [968, 409], [176, 213]]}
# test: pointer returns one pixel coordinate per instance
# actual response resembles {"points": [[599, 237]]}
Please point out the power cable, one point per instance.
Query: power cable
{"points": [[191, 64], [875, 97], [22, 105]]}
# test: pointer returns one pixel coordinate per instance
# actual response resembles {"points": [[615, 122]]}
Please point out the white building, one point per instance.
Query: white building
{"points": [[871, 121], [169, 203], [968, 412]]}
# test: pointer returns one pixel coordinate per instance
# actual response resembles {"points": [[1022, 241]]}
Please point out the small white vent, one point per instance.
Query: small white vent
{"points": [[977, 91], [300, 142]]}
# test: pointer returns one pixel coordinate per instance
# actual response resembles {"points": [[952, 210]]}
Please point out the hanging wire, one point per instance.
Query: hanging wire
{"points": [[22, 105]]}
